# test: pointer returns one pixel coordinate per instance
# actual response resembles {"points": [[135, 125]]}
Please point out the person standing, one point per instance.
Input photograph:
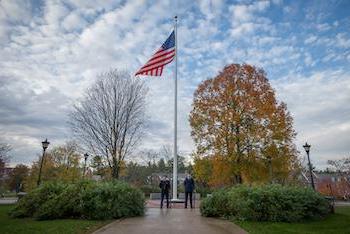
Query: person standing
{"points": [[164, 185], [189, 187]]}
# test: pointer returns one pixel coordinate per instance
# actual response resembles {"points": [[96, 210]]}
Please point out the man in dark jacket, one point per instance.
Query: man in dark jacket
{"points": [[164, 185], [189, 187]]}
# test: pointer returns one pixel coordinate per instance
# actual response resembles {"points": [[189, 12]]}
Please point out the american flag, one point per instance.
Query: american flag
{"points": [[165, 54]]}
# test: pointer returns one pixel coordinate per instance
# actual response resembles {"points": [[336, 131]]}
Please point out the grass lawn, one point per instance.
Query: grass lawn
{"points": [[338, 223], [10, 225]]}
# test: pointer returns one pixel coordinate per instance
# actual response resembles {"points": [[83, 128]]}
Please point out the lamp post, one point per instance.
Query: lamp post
{"points": [[85, 159], [307, 149], [45, 144]]}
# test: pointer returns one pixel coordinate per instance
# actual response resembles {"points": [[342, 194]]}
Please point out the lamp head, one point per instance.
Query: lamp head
{"points": [[45, 144], [307, 147]]}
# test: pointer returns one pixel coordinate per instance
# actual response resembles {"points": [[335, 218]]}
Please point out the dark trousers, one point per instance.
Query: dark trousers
{"points": [[188, 194], [166, 195]]}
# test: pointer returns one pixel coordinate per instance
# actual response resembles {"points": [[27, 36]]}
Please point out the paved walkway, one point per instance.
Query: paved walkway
{"points": [[342, 203], [156, 204], [171, 221], [7, 201]]}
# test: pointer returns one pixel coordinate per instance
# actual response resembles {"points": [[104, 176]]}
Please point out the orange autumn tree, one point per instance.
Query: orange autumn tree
{"points": [[239, 126]]}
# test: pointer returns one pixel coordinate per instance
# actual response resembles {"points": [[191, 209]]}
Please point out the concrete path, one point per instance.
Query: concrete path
{"points": [[7, 201], [171, 221], [156, 204], [342, 203]]}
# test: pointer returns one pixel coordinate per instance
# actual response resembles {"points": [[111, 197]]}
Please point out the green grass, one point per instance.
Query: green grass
{"points": [[338, 223], [27, 225]]}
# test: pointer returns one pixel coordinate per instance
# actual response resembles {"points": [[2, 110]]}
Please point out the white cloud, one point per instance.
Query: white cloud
{"points": [[309, 60], [245, 13], [342, 40], [311, 39], [210, 8], [319, 106], [73, 21], [54, 55], [323, 27]]}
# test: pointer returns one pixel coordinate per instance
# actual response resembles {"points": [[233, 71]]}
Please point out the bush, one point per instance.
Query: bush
{"points": [[112, 200], [30, 204], [266, 203], [85, 199]]}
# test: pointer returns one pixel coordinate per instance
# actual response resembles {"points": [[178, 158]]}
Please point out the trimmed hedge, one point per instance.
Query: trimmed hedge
{"points": [[266, 203], [85, 199]]}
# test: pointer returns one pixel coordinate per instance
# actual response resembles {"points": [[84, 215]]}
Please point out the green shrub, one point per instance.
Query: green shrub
{"points": [[84, 199], [112, 200], [29, 204], [67, 204], [266, 203]]}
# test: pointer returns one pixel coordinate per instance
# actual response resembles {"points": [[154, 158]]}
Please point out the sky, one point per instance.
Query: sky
{"points": [[52, 50]]}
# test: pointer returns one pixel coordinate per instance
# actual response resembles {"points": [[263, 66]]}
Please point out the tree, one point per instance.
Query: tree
{"points": [[4, 159], [181, 167], [99, 167], [48, 172], [110, 118], [341, 165], [66, 159], [237, 119], [4, 155], [61, 163], [17, 177], [161, 165], [136, 174], [166, 152], [202, 169]]}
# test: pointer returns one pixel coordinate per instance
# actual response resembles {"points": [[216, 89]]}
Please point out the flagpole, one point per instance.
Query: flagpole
{"points": [[175, 120]]}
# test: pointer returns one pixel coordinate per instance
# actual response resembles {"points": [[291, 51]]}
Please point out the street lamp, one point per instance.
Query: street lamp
{"points": [[45, 144], [307, 149], [85, 159]]}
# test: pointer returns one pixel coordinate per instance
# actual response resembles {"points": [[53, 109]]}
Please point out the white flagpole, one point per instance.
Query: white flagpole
{"points": [[175, 121]]}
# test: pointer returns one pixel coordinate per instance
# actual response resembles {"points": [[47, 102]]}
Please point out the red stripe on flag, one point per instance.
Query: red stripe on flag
{"points": [[160, 58], [162, 64]]}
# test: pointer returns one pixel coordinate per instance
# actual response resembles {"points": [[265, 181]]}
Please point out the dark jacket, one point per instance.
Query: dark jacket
{"points": [[189, 185], [164, 185]]}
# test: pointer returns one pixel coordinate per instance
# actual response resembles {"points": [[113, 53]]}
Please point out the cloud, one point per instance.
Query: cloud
{"points": [[245, 13], [311, 39], [51, 51], [342, 41], [319, 107]]}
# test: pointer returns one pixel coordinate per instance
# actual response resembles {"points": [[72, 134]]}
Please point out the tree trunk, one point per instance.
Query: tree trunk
{"points": [[115, 172]]}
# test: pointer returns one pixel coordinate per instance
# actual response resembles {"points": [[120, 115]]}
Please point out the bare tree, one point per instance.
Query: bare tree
{"points": [[109, 119], [4, 156], [4, 150], [149, 157], [166, 152], [341, 165]]}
